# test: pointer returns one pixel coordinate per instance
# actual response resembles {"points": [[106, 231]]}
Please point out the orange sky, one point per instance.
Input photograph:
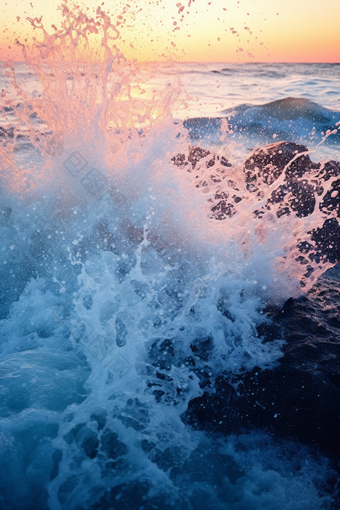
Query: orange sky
{"points": [[216, 30]]}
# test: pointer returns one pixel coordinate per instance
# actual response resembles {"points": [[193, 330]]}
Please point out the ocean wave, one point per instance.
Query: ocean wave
{"points": [[297, 119], [144, 285]]}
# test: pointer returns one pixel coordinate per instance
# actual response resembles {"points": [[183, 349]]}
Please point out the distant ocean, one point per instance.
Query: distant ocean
{"points": [[170, 328]]}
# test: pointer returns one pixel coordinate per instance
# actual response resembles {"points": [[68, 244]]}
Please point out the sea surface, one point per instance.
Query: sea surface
{"points": [[153, 355]]}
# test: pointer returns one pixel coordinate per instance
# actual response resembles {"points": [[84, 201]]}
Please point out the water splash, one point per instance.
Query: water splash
{"points": [[130, 297]]}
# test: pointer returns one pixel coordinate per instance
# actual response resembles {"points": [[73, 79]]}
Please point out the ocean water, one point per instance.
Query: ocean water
{"points": [[155, 355]]}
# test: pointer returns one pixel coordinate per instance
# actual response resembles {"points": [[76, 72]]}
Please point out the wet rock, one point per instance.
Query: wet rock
{"points": [[223, 208], [295, 194], [195, 156], [291, 162], [331, 200], [299, 182], [300, 398], [286, 402], [266, 164], [327, 242], [6, 133], [211, 170], [330, 169]]}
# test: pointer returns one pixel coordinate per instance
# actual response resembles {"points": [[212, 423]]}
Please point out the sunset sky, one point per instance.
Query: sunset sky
{"points": [[200, 30]]}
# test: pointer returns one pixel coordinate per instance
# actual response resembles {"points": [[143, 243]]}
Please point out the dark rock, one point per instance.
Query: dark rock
{"points": [[201, 161], [223, 208], [267, 163], [286, 402], [6, 133], [327, 241], [195, 155], [300, 398], [299, 181], [330, 169], [331, 201]]}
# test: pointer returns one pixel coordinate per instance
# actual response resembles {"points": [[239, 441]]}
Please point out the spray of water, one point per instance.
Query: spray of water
{"points": [[132, 297]]}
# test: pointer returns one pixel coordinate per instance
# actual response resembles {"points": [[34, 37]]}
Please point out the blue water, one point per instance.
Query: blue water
{"points": [[141, 339]]}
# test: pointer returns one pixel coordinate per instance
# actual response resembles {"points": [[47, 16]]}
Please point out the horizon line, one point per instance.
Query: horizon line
{"points": [[203, 62]]}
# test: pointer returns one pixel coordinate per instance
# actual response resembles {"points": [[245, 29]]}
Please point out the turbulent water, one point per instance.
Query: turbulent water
{"points": [[153, 354]]}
